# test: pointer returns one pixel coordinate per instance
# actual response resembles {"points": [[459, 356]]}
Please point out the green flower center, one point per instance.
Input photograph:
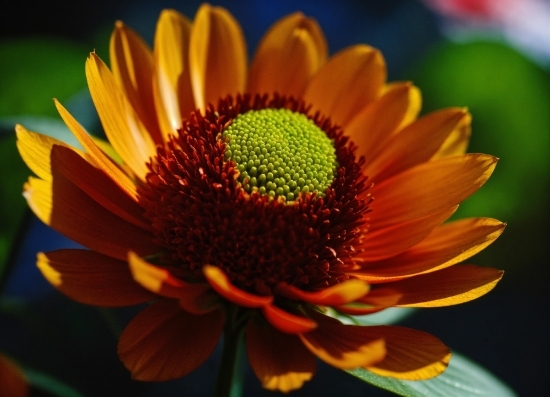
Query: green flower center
{"points": [[280, 153]]}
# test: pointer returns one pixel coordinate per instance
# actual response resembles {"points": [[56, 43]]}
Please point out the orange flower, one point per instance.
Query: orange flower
{"points": [[293, 190]]}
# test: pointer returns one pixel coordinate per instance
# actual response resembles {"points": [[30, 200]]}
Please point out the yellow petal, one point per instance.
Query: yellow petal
{"points": [[457, 141], [289, 54], [346, 83], [217, 56], [172, 82], [122, 126], [132, 66]]}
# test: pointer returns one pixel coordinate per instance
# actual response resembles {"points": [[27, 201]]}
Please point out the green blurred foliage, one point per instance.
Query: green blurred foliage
{"points": [[509, 98], [32, 72]]}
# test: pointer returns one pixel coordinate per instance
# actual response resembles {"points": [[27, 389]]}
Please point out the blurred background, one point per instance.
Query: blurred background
{"points": [[491, 56]]}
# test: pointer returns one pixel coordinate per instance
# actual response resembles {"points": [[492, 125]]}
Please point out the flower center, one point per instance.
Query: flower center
{"points": [[280, 153]]}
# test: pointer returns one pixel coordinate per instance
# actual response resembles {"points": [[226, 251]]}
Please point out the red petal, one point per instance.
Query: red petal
{"points": [[92, 278], [164, 342], [279, 360], [287, 322], [338, 294], [222, 285]]}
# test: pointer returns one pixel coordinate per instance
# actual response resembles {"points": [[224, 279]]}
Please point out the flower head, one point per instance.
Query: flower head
{"points": [[271, 199]]}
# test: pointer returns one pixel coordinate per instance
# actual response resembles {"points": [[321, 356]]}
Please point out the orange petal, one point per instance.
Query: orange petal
{"points": [[70, 211], [343, 346], [279, 360], [369, 131], [394, 239], [122, 125], [288, 56], [457, 142], [92, 278], [13, 380], [446, 287], [102, 161], [163, 342], [413, 145], [132, 66], [217, 56], [97, 185], [287, 322], [222, 285], [172, 82], [411, 354], [447, 245], [346, 83], [415, 101], [338, 294], [194, 298], [429, 187], [35, 150]]}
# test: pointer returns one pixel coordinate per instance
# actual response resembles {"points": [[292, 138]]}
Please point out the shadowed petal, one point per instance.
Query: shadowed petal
{"points": [[411, 354], [343, 346], [350, 80], [279, 360], [222, 285], [446, 287], [92, 278], [289, 54], [163, 342], [338, 294], [217, 56], [287, 322]]}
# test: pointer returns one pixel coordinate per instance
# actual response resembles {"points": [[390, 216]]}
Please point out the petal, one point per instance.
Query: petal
{"points": [[172, 82], [411, 354], [346, 83], [447, 245], [413, 145], [92, 278], [132, 66], [338, 294], [67, 209], [122, 125], [217, 56], [457, 142], [287, 322], [97, 185], [288, 56], [101, 160], [222, 285], [368, 130], [394, 239], [164, 342], [415, 101], [279, 360], [194, 298], [446, 287], [35, 150], [343, 346], [429, 187], [13, 380]]}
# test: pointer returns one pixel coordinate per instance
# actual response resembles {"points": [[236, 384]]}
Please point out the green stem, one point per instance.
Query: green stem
{"points": [[229, 363]]}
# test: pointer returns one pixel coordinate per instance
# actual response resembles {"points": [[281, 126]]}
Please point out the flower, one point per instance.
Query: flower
{"points": [[272, 199]]}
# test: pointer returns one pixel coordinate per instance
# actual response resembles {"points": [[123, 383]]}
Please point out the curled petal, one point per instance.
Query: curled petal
{"points": [[194, 298], [287, 322], [343, 346], [163, 342], [92, 278], [411, 354], [338, 294], [222, 285], [279, 360], [450, 286]]}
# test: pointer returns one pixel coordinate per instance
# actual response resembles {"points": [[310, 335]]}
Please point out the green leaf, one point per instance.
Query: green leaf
{"points": [[49, 384], [462, 378]]}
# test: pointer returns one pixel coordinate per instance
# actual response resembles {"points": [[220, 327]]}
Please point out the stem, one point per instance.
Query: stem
{"points": [[228, 365]]}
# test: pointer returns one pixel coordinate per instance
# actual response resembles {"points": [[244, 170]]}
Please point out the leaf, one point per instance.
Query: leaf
{"points": [[49, 384], [463, 378]]}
